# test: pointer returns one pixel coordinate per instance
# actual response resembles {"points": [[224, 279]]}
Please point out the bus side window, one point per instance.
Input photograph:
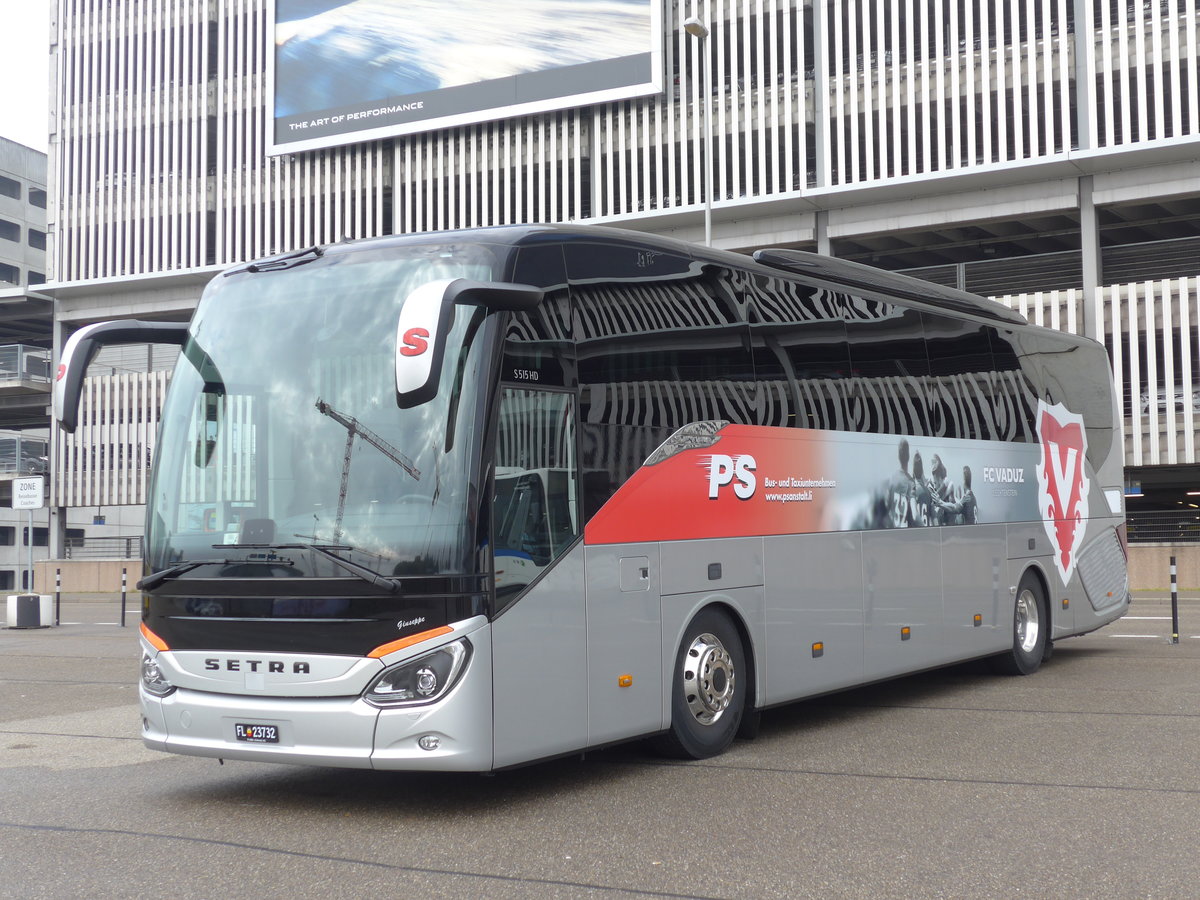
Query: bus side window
{"points": [[960, 375], [1015, 396], [890, 366], [801, 355], [662, 343], [538, 348]]}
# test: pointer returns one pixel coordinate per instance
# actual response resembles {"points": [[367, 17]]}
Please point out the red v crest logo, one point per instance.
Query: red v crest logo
{"points": [[1062, 483]]}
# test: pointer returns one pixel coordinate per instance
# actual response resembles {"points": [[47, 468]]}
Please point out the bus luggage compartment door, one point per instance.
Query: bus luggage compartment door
{"points": [[902, 601], [624, 636]]}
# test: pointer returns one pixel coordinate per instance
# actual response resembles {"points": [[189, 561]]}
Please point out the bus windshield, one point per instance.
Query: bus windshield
{"points": [[281, 430]]}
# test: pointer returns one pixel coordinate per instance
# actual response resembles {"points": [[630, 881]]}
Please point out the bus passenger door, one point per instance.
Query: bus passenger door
{"points": [[539, 661]]}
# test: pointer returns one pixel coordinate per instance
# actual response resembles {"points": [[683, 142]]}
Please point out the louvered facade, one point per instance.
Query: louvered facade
{"points": [[1056, 139]]}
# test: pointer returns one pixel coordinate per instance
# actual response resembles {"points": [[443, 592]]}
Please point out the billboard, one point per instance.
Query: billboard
{"points": [[354, 70]]}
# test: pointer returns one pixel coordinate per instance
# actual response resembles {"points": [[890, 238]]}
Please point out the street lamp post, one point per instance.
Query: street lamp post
{"points": [[697, 29]]}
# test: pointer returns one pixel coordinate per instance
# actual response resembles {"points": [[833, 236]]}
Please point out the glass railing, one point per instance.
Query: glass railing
{"points": [[20, 362], [23, 456]]}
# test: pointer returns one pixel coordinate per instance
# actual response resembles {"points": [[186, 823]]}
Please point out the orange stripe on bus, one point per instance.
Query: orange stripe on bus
{"points": [[153, 638], [417, 638]]}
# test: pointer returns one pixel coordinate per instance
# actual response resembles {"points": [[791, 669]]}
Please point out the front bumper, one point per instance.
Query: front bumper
{"points": [[334, 731]]}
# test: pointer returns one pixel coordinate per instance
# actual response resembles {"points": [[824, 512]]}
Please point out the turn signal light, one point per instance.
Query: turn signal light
{"points": [[155, 641], [385, 649]]}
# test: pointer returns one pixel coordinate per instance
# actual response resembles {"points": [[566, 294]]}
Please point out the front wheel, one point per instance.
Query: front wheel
{"points": [[1031, 630], [708, 689]]}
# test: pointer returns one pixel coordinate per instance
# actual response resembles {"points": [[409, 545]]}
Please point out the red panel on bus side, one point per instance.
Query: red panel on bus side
{"points": [[748, 483], [757, 480]]}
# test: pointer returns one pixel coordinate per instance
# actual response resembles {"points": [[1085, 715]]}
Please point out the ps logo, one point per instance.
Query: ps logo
{"points": [[723, 470]]}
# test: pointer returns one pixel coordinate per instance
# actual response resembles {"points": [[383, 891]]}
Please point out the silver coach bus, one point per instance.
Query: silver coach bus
{"points": [[468, 500]]}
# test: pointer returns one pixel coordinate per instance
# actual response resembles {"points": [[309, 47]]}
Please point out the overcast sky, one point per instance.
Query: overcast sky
{"points": [[25, 72]]}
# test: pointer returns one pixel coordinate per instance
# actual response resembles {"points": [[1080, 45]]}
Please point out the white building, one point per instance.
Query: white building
{"points": [[25, 329], [22, 215], [1044, 152]]}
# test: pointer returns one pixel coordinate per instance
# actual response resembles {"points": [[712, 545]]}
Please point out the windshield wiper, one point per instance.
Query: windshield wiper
{"points": [[285, 261], [391, 585], [150, 582]]}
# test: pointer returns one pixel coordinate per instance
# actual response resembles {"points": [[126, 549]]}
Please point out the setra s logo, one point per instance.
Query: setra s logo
{"points": [[723, 470], [415, 342]]}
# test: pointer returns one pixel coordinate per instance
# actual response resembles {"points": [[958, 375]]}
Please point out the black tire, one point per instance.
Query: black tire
{"points": [[751, 722], [708, 689], [1031, 630]]}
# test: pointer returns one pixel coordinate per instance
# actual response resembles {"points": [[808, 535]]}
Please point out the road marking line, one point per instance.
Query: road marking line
{"points": [[1147, 618], [1155, 636]]}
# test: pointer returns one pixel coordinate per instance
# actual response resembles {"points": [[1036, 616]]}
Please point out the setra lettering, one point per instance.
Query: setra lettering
{"points": [[274, 666]]}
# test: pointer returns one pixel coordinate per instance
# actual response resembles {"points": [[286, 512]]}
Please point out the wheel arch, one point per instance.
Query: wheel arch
{"points": [[1018, 660], [689, 736], [1035, 569]]}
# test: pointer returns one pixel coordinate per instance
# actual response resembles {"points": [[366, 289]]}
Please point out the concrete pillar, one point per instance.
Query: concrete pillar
{"points": [[820, 95], [1085, 129], [1090, 265], [1085, 83], [821, 231]]}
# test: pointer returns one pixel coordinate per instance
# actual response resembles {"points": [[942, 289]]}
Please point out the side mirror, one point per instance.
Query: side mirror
{"points": [[81, 349], [425, 319]]}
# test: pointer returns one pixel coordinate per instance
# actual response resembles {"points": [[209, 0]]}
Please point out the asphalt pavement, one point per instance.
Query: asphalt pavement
{"points": [[1080, 781]]}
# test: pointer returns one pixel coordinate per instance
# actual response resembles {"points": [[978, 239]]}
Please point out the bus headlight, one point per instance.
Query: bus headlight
{"points": [[424, 679], [153, 679]]}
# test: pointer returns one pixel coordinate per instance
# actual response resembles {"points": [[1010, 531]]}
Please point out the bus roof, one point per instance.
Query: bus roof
{"points": [[797, 262], [852, 274]]}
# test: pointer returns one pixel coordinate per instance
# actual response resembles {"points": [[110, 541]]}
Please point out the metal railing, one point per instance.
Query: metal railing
{"points": [[103, 548], [1164, 527]]}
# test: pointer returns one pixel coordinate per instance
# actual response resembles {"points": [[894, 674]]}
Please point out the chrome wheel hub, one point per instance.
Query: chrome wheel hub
{"points": [[1028, 623], [708, 678]]}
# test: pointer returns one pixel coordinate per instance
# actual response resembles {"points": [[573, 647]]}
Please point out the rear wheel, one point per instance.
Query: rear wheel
{"points": [[708, 690], [1031, 630]]}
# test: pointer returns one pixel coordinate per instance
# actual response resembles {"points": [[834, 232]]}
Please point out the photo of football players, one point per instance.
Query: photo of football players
{"points": [[919, 489], [964, 510], [939, 488], [921, 506], [899, 491]]}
